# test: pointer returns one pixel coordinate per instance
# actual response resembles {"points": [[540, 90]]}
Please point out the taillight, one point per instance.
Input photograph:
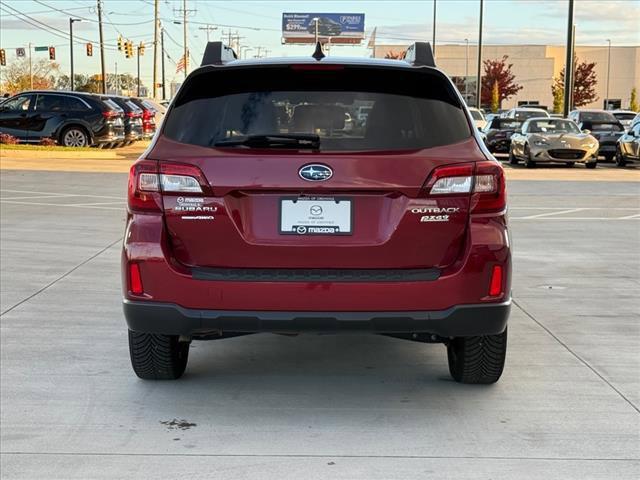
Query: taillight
{"points": [[135, 279], [147, 114], [133, 115], [149, 179], [109, 114], [484, 180], [495, 284], [489, 192]]}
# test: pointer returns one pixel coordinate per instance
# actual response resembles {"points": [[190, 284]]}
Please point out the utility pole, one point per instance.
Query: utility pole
{"points": [[71, 20], [30, 69], [209, 29], [156, 25], [433, 46], [568, 66], [316, 19], [606, 102], [479, 73], [104, 75], [164, 92]]}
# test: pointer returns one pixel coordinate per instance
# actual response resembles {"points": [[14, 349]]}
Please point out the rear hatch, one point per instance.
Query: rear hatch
{"points": [[259, 168]]}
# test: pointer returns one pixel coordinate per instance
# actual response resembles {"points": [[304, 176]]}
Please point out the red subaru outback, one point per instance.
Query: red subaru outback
{"points": [[263, 205]]}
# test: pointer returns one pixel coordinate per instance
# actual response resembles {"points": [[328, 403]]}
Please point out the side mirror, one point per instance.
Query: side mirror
{"points": [[586, 131]]}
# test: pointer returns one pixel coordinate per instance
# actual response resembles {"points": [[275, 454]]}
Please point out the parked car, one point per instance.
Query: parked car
{"points": [[149, 112], [478, 118], [606, 128], [238, 225], [523, 113], [498, 133], [72, 119], [628, 147], [551, 140], [132, 119], [625, 117]]}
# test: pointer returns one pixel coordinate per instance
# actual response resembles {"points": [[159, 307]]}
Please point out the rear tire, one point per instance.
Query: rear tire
{"points": [[620, 160], [592, 165], [477, 360], [157, 357]]}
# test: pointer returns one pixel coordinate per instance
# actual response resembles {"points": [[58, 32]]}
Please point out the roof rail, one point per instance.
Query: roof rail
{"points": [[217, 53], [420, 54]]}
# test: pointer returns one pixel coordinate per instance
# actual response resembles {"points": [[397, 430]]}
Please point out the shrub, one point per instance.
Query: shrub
{"points": [[7, 139]]}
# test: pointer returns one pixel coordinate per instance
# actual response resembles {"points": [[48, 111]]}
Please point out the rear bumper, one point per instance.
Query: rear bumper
{"points": [[457, 321]]}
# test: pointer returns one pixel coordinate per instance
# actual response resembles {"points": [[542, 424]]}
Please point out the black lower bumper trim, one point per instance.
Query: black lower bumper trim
{"points": [[458, 321], [314, 275]]}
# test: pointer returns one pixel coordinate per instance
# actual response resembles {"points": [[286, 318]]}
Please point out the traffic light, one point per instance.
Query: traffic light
{"points": [[3, 57], [141, 48], [128, 49], [119, 43], [52, 53], [89, 49]]}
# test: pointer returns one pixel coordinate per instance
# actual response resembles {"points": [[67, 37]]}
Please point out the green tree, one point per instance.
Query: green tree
{"points": [[633, 104], [17, 78], [495, 97], [558, 100], [63, 81]]}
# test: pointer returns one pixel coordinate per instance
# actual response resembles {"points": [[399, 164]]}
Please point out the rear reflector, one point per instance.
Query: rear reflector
{"points": [[135, 279], [495, 285]]}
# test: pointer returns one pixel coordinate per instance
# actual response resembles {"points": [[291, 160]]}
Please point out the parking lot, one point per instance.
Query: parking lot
{"points": [[371, 407]]}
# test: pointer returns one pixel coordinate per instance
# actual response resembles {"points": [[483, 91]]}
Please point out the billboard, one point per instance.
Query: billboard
{"points": [[332, 27]]}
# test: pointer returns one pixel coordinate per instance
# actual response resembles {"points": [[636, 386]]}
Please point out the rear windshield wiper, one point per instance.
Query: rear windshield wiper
{"points": [[301, 140]]}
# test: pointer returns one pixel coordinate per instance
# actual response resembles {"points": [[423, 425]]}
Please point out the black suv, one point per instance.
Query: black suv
{"points": [[498, 133], [132, 119], [606, 128], [70, 118]]}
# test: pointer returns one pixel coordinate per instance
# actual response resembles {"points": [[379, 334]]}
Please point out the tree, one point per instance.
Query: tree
{"points": [[63, 82], [497, 71], [394, 56], [92, 85], [17, 79], [584, 85], [495, 98], [633, 103], [558, 100]]}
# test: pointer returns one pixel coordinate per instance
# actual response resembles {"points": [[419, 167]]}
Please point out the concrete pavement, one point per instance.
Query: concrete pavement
{"points": [[315, 407]]}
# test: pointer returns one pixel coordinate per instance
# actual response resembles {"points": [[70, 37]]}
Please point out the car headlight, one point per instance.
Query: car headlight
{"points": [[541, 143]]}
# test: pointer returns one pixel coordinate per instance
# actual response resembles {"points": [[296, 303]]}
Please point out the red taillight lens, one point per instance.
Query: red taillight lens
{"points": [[495, 285], [144, 189], [133, 115], [148, 114], [108, 114], [148, 180], [135, 279], [451, 180], [489, 192]]}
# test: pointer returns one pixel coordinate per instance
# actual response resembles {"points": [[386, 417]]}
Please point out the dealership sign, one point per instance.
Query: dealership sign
{"points": [[330, 27]]}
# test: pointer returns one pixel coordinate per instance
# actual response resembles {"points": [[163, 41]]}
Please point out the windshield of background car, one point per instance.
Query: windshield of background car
{"points": [[606, 127], [524, 114], [552, 126], [476, 115], [596, 117], [397, 108]]}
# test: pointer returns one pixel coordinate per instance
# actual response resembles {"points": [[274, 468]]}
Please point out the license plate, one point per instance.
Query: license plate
{"points": [[315, 216]]}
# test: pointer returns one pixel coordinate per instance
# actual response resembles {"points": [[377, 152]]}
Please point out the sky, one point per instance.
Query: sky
{"points": [[259, 25]]}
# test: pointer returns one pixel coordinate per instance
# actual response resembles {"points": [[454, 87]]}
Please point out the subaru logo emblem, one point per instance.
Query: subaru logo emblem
{"points": [[315, 172]]}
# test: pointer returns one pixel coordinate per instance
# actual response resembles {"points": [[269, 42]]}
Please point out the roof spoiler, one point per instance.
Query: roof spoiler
{"points": [[420, 54], [217, 53]]}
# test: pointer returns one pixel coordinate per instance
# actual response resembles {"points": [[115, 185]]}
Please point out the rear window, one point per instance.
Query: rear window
{"points": [[624, 116], [505, 124], [596, 117], [348, 108], [606, 127], [524, 114]]}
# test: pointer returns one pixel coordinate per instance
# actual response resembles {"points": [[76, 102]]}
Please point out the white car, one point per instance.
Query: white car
{"points": [[478, 118], [625, 117]]}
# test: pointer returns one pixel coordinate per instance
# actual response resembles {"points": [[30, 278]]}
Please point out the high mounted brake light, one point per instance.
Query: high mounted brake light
{"points": [[148, 180], [484, 180]]}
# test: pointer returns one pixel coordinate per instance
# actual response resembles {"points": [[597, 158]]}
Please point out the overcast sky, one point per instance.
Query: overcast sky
{"points": [[259, 23]]}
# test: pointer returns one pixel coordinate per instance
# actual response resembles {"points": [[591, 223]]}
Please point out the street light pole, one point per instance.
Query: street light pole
{"points": [[164, 92], [71, 20], [466, 71], [316, 22], [479, 75], [606, 102], [568, 66], [433, 46]]}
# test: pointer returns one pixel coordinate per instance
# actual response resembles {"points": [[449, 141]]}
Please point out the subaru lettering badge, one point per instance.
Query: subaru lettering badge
{"points": [[315, 172]]}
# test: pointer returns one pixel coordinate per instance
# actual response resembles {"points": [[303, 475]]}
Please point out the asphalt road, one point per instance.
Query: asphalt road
{"points": [[317, 407]]}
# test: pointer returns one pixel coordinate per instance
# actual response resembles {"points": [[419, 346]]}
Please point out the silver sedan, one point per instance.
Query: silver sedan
{"points": [[553, 140]]}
